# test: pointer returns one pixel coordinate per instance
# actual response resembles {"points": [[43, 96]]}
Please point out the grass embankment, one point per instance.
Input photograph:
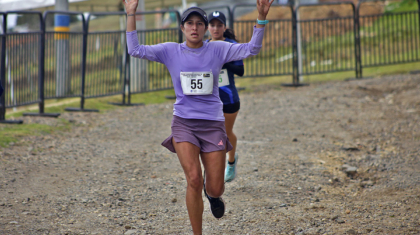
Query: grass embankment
{"points": [[11, 134]]}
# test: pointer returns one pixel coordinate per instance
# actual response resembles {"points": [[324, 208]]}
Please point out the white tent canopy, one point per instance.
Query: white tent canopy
{"points": [[17, 5], [90, 5]]}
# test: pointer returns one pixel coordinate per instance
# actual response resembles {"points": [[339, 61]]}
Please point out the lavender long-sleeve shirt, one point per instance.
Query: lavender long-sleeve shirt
{"points": [[210, 57]]}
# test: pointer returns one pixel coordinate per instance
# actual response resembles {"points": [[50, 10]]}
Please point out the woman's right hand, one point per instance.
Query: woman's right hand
{"points": [[263, 6], [130, 6]]}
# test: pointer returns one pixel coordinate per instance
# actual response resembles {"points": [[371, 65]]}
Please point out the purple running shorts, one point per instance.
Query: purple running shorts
{"points": [[209, 136]]}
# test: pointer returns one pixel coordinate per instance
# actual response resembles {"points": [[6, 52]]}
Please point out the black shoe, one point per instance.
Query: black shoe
{"points": [[217, 205]]}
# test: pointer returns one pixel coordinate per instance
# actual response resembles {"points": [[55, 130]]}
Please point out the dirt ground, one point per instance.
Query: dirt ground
{"points": [[330, 158]]}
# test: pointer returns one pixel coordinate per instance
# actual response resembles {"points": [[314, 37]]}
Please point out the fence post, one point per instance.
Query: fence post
{"points": [[295, 35], [418, 8], [83, 72], [3, 69], [357, 43], [41, 74], [3, 76], [418, 12], [127, 76], [295, 49]]}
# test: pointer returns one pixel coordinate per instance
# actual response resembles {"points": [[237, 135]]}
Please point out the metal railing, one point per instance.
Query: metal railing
{"points": [[146, 76], [386, 39], [22, 65], [3, 71], [96, 63], [276, 56], [327, 45], [65, 54]]}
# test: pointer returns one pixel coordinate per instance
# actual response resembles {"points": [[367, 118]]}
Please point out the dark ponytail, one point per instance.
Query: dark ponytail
{"points": [[230, 34]]}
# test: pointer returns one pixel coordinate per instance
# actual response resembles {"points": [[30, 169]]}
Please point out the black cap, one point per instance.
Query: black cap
{"points": [[218, 15], [194, 10]]}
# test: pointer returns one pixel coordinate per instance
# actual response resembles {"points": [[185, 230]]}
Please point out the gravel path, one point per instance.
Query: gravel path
{"points": [[331, 158]]}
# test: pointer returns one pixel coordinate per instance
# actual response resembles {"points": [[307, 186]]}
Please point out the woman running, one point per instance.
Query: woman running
{"points": [[227, 89], [198, 123]]}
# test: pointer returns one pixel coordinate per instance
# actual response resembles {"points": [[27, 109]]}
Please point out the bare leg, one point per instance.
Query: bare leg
{"points": [[229, 122], [214, 164], [188, 155]]}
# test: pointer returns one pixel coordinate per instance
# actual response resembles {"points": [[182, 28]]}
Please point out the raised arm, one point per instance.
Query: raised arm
{"points": [[263, 6], [131, 8], [245, 50], [156, 53]]}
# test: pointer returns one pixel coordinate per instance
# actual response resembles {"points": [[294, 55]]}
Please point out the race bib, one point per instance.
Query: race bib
{"points": [[223, 78], [197, 83]]}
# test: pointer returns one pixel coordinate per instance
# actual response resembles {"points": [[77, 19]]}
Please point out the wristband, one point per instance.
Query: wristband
{"points": [[263, 22]]}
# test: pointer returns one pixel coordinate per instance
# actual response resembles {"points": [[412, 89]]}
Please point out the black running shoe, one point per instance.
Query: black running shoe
{"points": [[217, 205]]}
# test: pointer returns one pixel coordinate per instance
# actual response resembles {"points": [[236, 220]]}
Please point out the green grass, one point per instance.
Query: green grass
{"points": [[367, 72], [401, 6], [12, 133]]}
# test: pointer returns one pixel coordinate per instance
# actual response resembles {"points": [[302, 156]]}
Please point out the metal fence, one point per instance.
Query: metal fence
{"points": [[276, 56], [22, 64], [146, 76], [386, 39], [63, 57], [43, 63], [105, 60], [3, 27], [327, 45]]}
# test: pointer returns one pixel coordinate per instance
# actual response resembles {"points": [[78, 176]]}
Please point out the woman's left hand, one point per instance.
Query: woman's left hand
{"points": [[263, 7]]}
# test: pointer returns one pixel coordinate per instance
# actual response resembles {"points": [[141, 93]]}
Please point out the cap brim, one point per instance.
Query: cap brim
{"points": [[197, 12], [215, 18]]}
